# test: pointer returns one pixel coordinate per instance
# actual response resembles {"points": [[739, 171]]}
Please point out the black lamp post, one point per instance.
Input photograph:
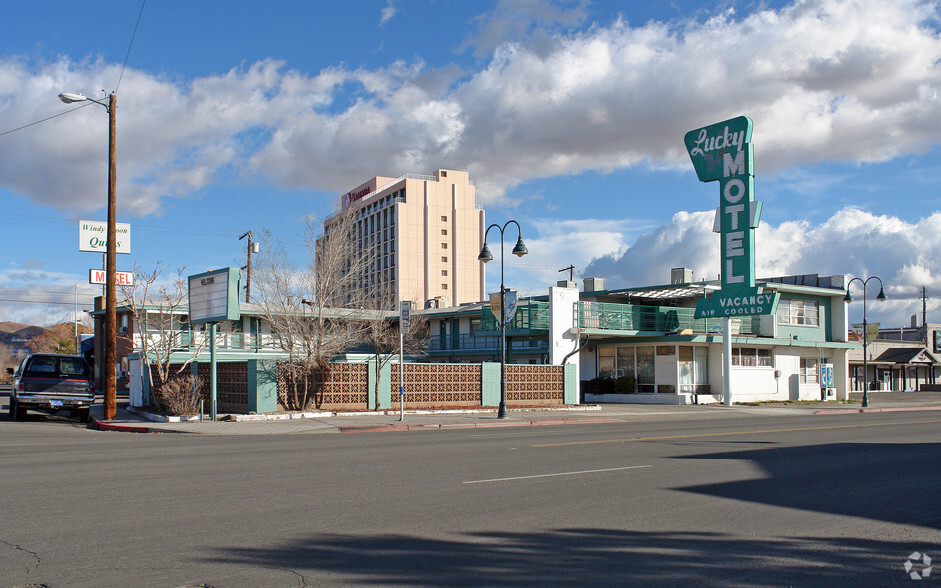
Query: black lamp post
{"points": [[519, 250], [880, 298], [109, 368]]}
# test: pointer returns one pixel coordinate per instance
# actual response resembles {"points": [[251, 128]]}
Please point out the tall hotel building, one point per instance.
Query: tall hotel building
{"points": [[420, 236]]}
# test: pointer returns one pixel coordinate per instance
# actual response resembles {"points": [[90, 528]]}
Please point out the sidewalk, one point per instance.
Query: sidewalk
{"points": [[362, 422]]}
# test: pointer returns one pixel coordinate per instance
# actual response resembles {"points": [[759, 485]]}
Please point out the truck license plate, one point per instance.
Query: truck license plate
{"points": [[55, 403]]}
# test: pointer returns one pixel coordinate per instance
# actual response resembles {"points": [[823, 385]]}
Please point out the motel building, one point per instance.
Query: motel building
{"points": [[649, 336]]}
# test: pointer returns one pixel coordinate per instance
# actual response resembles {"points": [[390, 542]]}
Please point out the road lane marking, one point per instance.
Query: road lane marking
{"points": [[728, 433], [556, 474]]}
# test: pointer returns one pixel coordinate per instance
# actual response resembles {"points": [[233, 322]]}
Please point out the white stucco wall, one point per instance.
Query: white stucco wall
{"points": [[562, 338]]}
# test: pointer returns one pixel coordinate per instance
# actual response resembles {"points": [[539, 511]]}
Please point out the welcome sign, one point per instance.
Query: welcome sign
{"points": [[723, 152]]}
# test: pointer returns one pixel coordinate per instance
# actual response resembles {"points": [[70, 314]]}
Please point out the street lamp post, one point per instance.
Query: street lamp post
{"points": [[849, 298], [109, 368], [519, 250]]}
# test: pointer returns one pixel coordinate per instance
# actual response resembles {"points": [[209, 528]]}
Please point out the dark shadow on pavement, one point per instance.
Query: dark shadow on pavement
{"points": [[589, 557], [891, 482]]}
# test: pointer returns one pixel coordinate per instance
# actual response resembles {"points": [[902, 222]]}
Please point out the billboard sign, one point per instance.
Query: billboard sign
{"points": [[213, 296], [93, 236]]}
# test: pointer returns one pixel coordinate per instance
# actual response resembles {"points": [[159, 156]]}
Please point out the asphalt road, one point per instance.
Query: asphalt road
{"points": [[747, 499]]}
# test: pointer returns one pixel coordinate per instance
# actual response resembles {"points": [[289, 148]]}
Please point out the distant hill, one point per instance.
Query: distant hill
{"points": [[16, 334], [8, 327]]}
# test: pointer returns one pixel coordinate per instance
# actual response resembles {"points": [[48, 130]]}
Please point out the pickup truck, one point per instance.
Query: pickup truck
{"points": [[51, 382]]}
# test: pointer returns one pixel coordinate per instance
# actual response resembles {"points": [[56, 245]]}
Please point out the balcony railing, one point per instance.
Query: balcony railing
{"points": [[660, 319], [530, 315], [468, 342], [465, 342]]}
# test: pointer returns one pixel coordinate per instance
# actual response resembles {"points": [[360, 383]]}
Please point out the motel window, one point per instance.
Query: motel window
{"points": [[798, 312], [751, 357], [666, 350], [808, 370]]}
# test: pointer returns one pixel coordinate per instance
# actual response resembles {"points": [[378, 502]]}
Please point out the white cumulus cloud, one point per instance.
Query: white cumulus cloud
{"points": [[846, 80]]}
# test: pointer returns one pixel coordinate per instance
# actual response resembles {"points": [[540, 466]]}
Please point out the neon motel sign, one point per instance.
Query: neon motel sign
{"points": [[723, 152]]}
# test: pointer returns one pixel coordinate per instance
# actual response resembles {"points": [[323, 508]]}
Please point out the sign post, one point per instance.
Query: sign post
{"points": [[405, 310], [214, 297], [723, 152]]}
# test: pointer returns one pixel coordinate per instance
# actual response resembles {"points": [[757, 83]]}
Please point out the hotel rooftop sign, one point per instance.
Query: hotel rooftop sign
{"points": [[723, 152]]}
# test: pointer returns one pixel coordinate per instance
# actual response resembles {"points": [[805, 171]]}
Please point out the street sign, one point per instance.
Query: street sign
{"points": [[405, 309], [100, 276], [93, 236]]}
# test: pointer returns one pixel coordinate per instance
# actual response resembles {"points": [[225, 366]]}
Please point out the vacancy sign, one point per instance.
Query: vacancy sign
{"points": [[100, 276]]}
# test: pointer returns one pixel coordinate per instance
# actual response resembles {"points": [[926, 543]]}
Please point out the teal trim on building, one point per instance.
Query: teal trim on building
{"points": [[490, 384], [262, 386], [570, 371], [820, 332], [385, 387], [381, 398]]}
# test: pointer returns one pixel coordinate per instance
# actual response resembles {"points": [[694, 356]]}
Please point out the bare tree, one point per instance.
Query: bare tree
{"points": [[161, 322], [381, 333], [6, 360], [308, 305]]}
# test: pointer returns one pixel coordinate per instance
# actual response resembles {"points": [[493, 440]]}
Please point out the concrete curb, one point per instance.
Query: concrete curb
{"points": [[498, 424], [105, 426], [870, 409], [286, 416]]}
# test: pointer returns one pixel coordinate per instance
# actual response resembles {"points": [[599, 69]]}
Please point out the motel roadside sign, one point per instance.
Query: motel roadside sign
{"points": [[723, 152]]}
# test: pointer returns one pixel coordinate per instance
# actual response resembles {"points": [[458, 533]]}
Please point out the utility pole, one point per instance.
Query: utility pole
{"points": [[252, 247], [78, 349], [111, 298], [571, 270], [924, 306]]}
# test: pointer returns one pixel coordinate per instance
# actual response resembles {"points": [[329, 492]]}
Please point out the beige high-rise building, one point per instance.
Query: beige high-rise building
{"points": [[421, 236]]}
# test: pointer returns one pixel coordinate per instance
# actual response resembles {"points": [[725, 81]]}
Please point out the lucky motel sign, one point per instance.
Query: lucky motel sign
{"points": [[723, 152]]}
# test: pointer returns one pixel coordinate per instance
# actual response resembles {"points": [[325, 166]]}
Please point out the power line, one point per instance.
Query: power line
{"points": [[131, 44], [67, 303], [167, 229], [44, 120], [120, 77]]}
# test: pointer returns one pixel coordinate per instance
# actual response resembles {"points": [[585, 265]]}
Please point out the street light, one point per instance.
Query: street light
{"points": [[849, 298], [110, 364], [519, 250]]}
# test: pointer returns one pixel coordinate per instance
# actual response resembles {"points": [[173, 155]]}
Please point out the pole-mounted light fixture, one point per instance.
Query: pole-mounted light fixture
{"points": [[485, 255], [881, 298], [109, 369]]}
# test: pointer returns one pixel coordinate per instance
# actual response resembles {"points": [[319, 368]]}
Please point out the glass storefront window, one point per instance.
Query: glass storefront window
{"points": [[645, 369], [606, 357], [625, 365]]}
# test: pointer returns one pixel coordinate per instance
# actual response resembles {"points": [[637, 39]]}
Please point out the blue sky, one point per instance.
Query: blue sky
{"points": [[568, 115]]}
